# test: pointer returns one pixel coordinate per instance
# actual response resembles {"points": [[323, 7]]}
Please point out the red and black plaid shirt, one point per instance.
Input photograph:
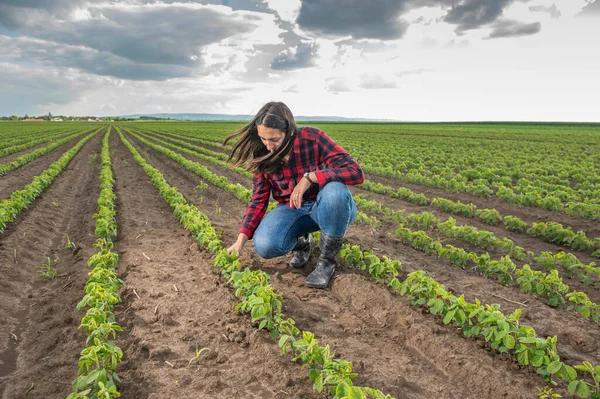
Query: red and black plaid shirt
{"points": [[313, 151]]}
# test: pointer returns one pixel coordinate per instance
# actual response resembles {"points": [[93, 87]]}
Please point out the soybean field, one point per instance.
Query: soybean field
{"points": [[471, 270]]}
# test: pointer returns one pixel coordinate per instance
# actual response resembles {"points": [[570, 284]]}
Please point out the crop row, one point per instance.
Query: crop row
{"points": [[530, 281], [487, 240], [551, 231], [503, 270], [97, 376], [503, 333], [20, 199], [259, 299], [23, 159], [22, 142]]}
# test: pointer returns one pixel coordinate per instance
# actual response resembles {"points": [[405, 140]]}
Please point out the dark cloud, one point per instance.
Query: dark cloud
{"points": [[67, 5], [514, 29], [138, 42], [473, 14], [247, 5], [93, 61], [381, 19], [301, 56], [375, 19], [552, 10], [592, 9], [160, 35]]}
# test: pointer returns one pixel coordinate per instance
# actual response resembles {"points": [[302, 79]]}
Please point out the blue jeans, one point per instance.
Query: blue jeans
{"points": [[332, 212]]}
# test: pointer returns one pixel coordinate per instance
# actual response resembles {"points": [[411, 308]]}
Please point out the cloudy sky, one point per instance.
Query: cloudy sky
{"points": [[415, 60]]}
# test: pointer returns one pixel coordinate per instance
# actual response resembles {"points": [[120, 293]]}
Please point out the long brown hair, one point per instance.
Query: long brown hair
{"points": [[250, 150]]}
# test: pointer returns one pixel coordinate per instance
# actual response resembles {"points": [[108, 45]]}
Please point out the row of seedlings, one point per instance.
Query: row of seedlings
{"points": [[23, 159], [20, 199], [503, 333], [530, 281], [487, 240], [553, 232], [19, 144], [97, 377]]}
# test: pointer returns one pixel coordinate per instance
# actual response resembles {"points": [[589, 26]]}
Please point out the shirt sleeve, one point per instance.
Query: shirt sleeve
{"points": [[261, 190], [337, 164]]}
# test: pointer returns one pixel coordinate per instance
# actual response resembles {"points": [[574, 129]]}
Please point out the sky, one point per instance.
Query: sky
{"points": [[406, 60]]}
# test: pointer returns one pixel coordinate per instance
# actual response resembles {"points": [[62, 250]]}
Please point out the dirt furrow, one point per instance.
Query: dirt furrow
{"points": [[41, 359]]}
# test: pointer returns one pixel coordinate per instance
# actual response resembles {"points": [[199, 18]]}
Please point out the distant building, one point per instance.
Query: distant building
{"points": [[57, 120]]}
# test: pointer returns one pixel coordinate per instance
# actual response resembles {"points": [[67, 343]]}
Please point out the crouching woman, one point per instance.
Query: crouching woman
{"points": [[307, 173]]}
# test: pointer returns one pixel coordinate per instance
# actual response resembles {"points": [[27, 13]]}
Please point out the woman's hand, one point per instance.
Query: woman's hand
{"points": [[239, 244], [298, 192]]}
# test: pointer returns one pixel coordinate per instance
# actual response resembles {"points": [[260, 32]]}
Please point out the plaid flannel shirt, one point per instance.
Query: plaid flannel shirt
{"points": [[313, 151]]}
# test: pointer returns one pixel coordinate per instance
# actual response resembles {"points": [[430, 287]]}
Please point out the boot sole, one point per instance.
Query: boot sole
{"points": [[317, 286]]}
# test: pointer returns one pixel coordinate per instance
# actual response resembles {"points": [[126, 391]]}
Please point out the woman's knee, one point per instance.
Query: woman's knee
{"points": [[265, 246], [335, 192], [269, 245]]}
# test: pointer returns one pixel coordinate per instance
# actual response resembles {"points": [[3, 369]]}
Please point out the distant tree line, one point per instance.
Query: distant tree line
{"points": [[49, 117]]}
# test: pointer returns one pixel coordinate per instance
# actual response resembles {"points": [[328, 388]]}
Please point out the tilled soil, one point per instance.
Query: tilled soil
{"points": [[175, 303], [40, 342]]}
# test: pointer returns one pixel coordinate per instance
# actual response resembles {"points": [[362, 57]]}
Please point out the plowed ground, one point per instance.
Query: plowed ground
{"points": [[175, 302]]}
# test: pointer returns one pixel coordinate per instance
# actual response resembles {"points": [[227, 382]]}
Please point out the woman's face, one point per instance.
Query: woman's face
{"points": [[270, 137]]}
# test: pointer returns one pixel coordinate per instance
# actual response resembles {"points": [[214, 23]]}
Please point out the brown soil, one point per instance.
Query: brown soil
{"points": [[175, 302]]}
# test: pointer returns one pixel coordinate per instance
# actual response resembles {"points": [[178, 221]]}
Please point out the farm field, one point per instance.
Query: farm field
{"points": [[471, 271]]}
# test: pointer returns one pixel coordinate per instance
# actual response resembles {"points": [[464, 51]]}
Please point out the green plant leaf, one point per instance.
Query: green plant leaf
{"points": [[554, 366]]}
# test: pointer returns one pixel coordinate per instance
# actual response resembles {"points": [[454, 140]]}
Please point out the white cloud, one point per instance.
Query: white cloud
{"points": [[287, 10]]}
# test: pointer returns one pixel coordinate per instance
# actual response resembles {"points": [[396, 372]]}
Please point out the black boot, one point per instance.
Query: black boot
{"points": [[302, 251], [330, 246]]}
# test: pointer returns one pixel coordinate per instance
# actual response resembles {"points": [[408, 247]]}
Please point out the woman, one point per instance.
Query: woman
{"points": [[307, 174]]}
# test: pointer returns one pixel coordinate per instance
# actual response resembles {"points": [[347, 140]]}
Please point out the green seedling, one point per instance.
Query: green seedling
{"points": [[583, 388], [55, 203], [218, 209], [70, 244], [29, 389], [202, 186], [199, 355], [46, 270], [547, 393]]}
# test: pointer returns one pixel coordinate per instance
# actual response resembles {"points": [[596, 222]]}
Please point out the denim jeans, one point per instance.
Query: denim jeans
{"points": [[332, 212]]}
